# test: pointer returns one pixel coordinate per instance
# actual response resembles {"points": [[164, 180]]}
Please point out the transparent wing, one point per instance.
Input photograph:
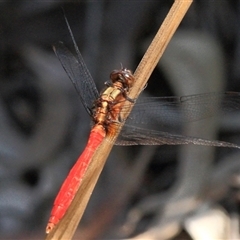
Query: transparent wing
{"points": [[138, 136], [169, 113], [174, 111], [78, 73]]}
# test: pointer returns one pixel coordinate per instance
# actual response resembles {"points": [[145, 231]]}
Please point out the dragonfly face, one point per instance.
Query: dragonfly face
{"points": [[124, 76]]}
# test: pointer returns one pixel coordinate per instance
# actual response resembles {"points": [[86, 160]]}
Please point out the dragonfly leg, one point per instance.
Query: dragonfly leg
{"points": [[131, 100]]}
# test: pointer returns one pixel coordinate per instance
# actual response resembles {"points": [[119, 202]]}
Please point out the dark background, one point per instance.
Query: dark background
{"points": [[43, 126]]}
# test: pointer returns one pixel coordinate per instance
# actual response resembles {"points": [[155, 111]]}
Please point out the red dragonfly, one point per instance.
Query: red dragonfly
{"points": [[105, 111]]}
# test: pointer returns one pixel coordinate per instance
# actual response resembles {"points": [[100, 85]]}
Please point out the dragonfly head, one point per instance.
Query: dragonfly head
{"points": [[124, 76]]}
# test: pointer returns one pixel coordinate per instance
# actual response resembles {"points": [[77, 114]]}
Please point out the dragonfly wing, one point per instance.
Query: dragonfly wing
{"points": [[174, 111], [138, 136], [78, 73]]}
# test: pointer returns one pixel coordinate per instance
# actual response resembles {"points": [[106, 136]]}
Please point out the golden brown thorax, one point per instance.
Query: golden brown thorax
{"points": [[109, 104]]}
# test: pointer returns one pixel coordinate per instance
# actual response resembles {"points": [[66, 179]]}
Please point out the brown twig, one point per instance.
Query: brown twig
{"points": [[107, 211], [65, 229]]}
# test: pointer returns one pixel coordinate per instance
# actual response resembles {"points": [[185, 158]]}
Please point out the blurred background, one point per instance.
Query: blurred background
{"points": [[187, 192]]}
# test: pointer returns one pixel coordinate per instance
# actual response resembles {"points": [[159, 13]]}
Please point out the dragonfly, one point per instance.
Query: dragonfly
{"points": [[105, 110]]}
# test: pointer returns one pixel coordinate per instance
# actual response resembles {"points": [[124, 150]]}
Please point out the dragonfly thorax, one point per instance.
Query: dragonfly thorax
{"points": [[108, 106]]}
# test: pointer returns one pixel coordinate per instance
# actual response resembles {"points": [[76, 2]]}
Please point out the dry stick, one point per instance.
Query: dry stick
{"points": [[67, 226], [104, 216]]}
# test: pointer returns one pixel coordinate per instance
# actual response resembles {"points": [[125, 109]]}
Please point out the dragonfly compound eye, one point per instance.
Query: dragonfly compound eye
{"points": [[114, 75], [128, 78], [124, 76]]}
